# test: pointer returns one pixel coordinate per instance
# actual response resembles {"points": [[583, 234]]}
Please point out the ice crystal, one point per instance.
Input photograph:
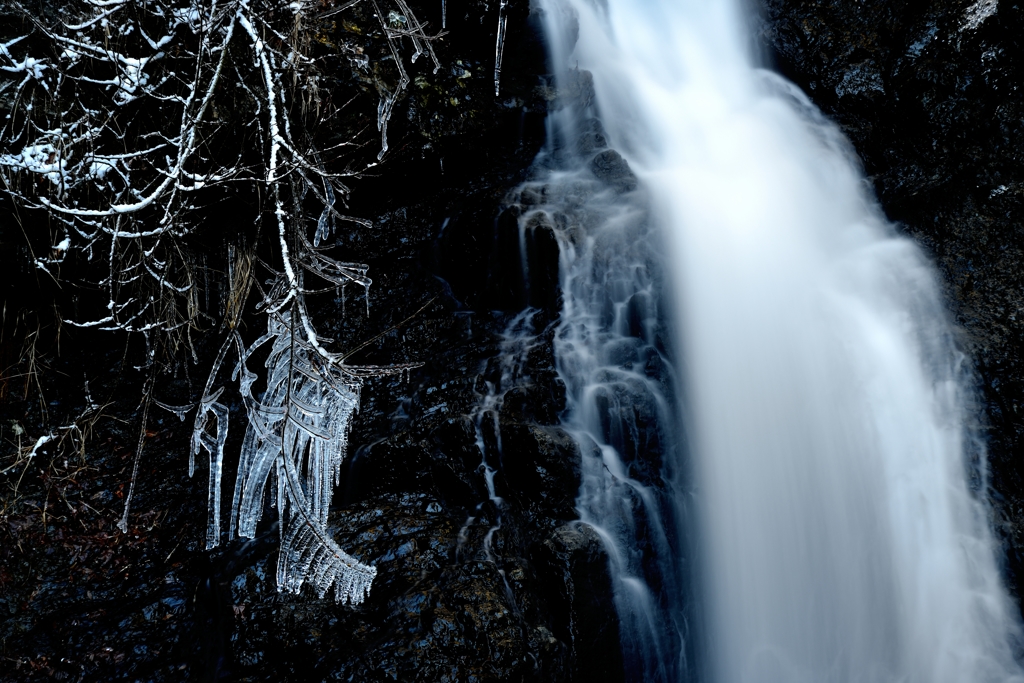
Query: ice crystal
{"points": [[296, 438], [499, 48], [977, 13], [298, 432]]}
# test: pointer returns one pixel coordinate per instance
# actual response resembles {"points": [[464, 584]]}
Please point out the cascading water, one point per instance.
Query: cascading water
{"points": [[611, 353], [619, 386], [517, 340], [825, 401]]}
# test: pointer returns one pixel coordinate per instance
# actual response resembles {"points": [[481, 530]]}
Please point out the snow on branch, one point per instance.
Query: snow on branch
{"points": [[117, 114], [124, 122]]}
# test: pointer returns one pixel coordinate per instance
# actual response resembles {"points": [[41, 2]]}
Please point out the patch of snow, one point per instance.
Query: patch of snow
{"points": [[977, 13], [43, 440], [131, 78], [918, 46], [40, 158], [31, 66], [861, 79], [189, 16], [101, 166]]}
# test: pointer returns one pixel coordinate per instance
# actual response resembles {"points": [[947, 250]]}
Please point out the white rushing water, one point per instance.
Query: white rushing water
{"points": [[826, 410], [619, 396]]}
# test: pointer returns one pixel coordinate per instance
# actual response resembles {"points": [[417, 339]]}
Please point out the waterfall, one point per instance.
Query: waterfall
{"points": [[609, 349], [828, 476]]}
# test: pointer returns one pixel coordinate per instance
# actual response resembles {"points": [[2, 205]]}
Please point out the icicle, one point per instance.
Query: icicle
{"points": [[148, 395], [206, 283], [226, 297], [298, 429], [387, 103], [325, 225], [366, 287], [499, 49], [180, 411], [216, 450], [89, 403], [444, 18]]}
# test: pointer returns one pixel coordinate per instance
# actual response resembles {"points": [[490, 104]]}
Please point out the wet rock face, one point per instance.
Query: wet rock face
{"points": [[929, 94], [433, 616], [576, 566], [610, 167]]}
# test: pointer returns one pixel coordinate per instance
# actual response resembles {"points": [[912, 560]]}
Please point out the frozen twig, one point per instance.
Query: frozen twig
{"points": [[499, 48]]}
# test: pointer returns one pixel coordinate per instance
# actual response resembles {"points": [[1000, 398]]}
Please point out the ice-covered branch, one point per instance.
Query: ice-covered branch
{"points": [[125, 121], [499, 48]]}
